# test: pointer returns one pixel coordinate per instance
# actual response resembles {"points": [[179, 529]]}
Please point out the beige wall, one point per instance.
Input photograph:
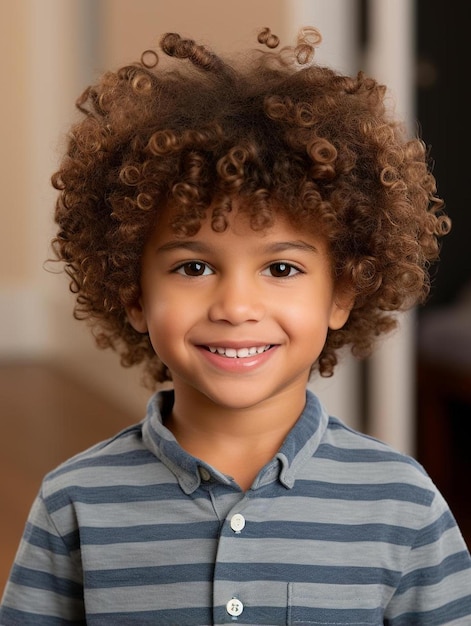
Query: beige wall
{"points": [[15, 264], [134, 26]]}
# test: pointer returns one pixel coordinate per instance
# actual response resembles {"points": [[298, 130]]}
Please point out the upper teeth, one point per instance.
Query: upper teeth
{"points": [[241, 353]]}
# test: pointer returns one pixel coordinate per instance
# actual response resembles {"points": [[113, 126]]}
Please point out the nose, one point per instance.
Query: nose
{"points": [[236, 301]]}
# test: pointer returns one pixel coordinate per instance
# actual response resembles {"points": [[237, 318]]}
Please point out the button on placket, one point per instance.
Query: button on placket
{"points": [[234, 607], [204, 474], [237, 523]]}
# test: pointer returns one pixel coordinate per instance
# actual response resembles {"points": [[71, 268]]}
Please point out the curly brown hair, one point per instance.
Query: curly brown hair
{"points": [[279, 132]]}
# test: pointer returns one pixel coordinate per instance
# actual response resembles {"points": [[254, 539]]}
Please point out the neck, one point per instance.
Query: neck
{"points": [[237, 441]]}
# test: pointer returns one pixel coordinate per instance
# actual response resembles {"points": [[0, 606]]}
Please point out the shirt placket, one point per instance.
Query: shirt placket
{"points": [[228, 599]]}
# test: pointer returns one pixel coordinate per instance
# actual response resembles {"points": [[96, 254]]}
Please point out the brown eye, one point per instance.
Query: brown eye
{"points": [[282, 270], [194, 268]]}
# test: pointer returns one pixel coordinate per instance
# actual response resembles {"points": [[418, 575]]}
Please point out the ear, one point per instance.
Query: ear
{"points": [[137, 317], [341, 307]]}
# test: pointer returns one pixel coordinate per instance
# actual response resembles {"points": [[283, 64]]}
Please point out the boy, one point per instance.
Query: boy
{"points": [[233, 229]]}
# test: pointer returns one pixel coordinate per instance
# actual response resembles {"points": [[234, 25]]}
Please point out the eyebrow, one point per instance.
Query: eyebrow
{"points": [[281, 246], [193, 246], [201, 247]]}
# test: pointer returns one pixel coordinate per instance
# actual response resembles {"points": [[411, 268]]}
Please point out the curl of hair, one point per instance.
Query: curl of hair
{"points": [[281, 135], [266, 37]]}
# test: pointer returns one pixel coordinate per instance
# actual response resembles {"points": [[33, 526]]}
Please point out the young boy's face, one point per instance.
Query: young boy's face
{"points": [[238, 317]]}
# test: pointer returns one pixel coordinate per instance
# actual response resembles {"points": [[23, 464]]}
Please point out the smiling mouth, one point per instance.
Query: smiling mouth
{"points": [[240, 353]]}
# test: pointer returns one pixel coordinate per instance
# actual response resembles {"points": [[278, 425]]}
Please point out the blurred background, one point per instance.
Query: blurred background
{"points": [[58, 393]]}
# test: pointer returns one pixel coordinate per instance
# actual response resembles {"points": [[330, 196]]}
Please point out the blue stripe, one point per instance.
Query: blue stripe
{"points": [[366, 492], [206, 572], [41, 580], [265, 615], [432, 575], [443, 615], [159, 575], [433, 532], [42, 539], [124, 459], [299, 531], [13, 617], [362, 455], [149, 532], [357, 617], [170, 617], [315, 573], [113, 494]]}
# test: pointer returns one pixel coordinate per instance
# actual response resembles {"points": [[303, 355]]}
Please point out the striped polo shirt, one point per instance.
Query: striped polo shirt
{"points": [[337, 529]]}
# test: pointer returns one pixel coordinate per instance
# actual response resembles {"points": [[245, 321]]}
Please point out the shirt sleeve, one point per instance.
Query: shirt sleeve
{"points": [[45, 584], [435, 586]]}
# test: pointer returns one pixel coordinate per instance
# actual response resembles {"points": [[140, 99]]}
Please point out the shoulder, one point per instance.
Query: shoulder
{"points": [[348, 444], [100, 464], [361, 460], [374, 486]]}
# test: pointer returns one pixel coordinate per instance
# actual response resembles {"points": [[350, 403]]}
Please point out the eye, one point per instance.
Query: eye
{"points": [[194, 268], [281, 270]]}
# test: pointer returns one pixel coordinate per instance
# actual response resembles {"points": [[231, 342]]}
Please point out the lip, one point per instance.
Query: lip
{"points": [[237, 364]]}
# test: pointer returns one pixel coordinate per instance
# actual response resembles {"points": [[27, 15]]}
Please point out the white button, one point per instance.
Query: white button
{"points": [[205, 475], [234, 607], [237, 522]]}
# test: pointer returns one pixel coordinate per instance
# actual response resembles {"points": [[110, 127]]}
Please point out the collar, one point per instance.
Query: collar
{"points": [[300, 444]]}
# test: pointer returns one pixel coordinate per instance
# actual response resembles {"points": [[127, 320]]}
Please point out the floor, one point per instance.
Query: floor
{"points": [[46, 417]]}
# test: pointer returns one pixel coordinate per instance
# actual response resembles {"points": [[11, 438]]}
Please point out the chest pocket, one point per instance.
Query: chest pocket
{"points": [[330, 605]]}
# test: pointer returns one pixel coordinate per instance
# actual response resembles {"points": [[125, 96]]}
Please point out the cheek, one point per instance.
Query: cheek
{"points": [[162, 321], [168, 325], [307, 314]]}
